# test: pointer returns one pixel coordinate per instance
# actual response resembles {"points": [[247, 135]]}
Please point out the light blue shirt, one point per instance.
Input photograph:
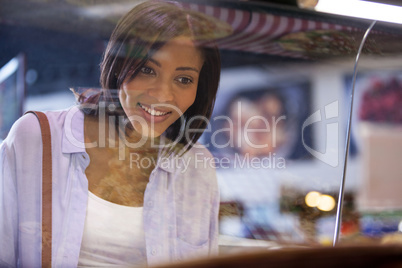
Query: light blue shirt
{"points": [[181, 201]]}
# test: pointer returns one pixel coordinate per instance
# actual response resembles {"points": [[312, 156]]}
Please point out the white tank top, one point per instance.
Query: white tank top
{"points": [[113, 235]]}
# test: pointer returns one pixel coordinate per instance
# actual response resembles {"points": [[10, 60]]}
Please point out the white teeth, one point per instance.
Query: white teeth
{"points": [[152, 111]]}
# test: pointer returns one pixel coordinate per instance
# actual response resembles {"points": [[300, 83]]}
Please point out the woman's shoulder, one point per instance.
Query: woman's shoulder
{"points": [[27, 127]]}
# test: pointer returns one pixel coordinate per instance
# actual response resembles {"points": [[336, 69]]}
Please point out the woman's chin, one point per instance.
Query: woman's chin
{"points": [[147, 133]]}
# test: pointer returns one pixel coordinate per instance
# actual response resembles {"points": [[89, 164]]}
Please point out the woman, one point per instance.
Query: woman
{"points": [[130, 184]]}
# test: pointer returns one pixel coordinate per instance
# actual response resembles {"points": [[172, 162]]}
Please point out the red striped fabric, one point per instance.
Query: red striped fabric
{"points": [[238, 19], [257, 32]]}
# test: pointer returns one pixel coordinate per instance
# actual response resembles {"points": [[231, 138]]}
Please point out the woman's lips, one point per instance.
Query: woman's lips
{"points": [[152, 114], [153, 111]]}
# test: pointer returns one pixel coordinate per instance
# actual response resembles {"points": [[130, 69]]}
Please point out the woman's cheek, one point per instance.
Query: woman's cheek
{"points": [[124, 99]]}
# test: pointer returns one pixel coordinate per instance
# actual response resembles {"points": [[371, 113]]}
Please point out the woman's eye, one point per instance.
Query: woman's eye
{"points": [[147, 70], [185, 80]]}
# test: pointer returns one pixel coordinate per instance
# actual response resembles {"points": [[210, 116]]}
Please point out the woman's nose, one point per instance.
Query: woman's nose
{"points": [[162, 91]]}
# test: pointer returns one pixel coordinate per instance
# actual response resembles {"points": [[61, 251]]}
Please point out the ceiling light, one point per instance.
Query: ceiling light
{"points": [[356, 8], [327, 203], [312, 199], [108, 10]]}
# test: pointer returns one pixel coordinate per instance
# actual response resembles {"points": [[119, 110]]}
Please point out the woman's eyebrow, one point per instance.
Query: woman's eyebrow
{"points": [[155, 62], [177, 69], [187, 69]]}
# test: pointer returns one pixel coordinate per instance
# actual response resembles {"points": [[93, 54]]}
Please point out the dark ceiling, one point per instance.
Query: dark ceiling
{"points": [[62, 40], [85, 17]]}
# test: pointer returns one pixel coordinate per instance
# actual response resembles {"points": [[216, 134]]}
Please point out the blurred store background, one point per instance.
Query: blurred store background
{"points": [[291, 68]]}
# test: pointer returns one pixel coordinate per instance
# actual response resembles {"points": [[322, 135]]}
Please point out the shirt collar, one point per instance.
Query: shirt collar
{"points": [[167, 163], [171, 162]]}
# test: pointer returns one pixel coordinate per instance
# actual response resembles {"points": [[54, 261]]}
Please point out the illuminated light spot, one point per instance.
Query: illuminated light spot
{"points": [[326, 203], [400, 226], [313, 199]]}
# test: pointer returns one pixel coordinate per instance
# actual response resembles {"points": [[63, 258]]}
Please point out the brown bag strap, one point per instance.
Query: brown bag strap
{"points": [[46, 189]]}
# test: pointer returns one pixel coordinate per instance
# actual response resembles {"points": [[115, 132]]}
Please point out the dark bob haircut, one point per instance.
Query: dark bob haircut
{"points": [[142, 32]]}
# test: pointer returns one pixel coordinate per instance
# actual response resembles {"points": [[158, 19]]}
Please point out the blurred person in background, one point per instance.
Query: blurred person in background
{"points": [[257, 120]]}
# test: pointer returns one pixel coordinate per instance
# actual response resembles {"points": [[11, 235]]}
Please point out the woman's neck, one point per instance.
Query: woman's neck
{"points": [[107, 133], [117, 172]]}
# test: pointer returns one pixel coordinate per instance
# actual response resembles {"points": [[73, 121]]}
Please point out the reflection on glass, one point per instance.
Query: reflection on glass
{"points": [[280, 67]]}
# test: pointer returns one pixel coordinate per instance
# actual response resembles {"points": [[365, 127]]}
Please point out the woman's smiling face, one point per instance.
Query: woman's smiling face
{"points": [[164, 88]]}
